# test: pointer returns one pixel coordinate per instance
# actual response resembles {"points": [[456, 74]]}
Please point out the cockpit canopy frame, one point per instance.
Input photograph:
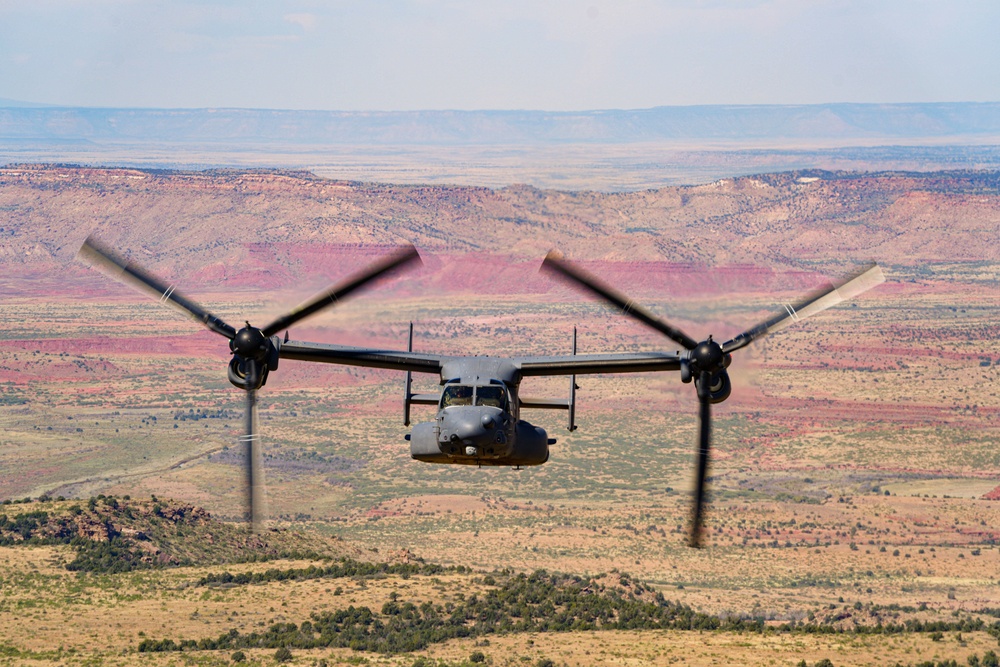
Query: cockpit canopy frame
{"points": [[494, 395]]}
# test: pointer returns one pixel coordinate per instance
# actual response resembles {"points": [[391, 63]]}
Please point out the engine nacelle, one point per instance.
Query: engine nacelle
{"points": [[238, 369], [719, 387], [238, 374]]}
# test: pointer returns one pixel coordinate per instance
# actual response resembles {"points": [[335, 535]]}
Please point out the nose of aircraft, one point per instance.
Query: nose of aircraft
{"points": [[471, 426]]}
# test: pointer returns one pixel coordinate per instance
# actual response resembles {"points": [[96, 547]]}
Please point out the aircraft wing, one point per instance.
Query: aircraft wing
{"points": [[362, 356], [580, 364], [417, 362]]}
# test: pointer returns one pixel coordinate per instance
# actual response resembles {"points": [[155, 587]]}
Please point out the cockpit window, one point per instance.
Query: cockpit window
{"points": [[492, 396], [456, 395]]}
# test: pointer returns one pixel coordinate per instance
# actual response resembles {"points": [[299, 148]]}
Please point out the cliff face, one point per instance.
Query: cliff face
{"points": [[265, 228]]}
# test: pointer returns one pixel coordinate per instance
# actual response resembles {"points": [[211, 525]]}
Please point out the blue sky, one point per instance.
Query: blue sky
{"points": [[499, 54]]}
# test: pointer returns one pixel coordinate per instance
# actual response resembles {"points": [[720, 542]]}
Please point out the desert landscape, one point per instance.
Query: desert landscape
{"points": [[854, 511]]}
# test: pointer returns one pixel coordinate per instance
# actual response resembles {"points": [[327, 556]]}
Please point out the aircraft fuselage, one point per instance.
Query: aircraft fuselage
{"points": [[478, 419]]}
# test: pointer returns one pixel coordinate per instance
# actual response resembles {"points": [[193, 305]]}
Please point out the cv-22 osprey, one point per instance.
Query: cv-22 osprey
{"points": [[478, 421]]}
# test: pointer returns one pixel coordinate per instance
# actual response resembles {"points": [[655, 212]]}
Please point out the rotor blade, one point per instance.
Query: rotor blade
{"points": [[118, 268], [254, 474], [818, 301], [357, 281], [554, 262], [704, 441]]}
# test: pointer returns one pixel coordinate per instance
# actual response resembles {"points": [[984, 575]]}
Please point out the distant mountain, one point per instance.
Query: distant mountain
{"points": [[949, 122]]}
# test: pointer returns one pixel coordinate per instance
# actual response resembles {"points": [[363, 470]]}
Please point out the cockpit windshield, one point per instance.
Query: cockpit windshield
{"points": [[492, 396], [456, 394]]}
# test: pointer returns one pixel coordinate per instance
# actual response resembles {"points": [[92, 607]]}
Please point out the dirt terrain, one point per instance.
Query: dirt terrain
{"points": [[854, 463]]}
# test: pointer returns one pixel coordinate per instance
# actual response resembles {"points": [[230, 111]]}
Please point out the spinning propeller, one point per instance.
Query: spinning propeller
{"points": [[254, 350], [705, 362]]}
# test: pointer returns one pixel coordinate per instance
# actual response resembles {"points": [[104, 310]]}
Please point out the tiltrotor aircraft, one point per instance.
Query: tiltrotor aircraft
{"points": [[478, 421]]}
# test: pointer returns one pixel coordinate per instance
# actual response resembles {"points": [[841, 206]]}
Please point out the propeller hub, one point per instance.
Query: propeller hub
{"points": [[708, 356], [250, 343]]}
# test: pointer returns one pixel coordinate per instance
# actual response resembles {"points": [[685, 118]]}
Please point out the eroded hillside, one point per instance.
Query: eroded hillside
{"points": [[272, 229]]}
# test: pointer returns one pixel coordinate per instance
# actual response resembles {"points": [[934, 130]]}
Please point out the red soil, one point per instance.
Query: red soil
{"points": [[992, 495]]}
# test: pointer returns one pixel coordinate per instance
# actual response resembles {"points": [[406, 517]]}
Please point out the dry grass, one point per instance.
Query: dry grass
{"points": [[55, 617], [825, 418]]}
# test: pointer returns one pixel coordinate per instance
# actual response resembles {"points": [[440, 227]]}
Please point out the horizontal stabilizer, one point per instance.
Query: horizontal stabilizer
{"points": [[546, 403]]}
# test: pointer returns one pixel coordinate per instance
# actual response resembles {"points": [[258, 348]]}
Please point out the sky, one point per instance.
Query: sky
{"points": [[557, 55]]}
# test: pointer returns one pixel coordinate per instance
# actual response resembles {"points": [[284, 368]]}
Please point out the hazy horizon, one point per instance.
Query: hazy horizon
{"points": [[8, 103]]}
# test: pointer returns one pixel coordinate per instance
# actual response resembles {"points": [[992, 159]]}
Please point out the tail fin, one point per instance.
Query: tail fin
{"points": [[572, 392], [407, 391]]}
